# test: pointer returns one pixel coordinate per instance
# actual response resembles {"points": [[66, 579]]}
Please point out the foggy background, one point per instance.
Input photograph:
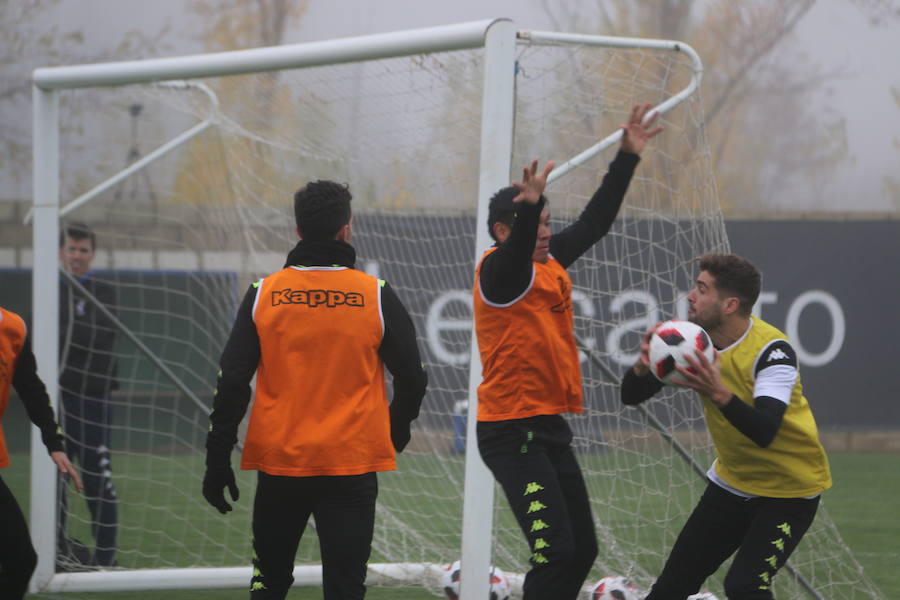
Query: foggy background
{"points": [[802, 97]]}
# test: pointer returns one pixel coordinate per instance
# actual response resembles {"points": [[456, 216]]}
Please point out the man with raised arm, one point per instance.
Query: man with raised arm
{"points": [[318, 335], [531, 373], [770, 468], [18, 369]]}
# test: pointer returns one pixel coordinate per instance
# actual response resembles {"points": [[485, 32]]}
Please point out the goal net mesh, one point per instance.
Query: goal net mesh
{"points": [[180, 240]]}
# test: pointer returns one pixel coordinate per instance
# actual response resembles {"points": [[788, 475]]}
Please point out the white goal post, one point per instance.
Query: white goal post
{"points": [[505, 106]]}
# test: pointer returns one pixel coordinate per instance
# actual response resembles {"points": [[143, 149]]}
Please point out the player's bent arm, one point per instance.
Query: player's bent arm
{"points": [[400, 353], [775, 374], [636, 389], [35, 398], [239, 361], [599, 213], [506, 273], [759, 422]]}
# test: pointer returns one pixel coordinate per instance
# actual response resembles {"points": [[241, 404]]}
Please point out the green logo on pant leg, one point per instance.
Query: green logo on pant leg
{"points": [[539, 558], [785, 529], [540, 544], [257, 572], [533, 487], [538, 525], [773, 562], [764, 576], [528, 437], [257, 585], [535, 506], [779, 543]]}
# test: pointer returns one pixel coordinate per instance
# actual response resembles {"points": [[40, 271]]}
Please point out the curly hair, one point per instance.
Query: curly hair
{"points": [[321, 209], [735, 276]]}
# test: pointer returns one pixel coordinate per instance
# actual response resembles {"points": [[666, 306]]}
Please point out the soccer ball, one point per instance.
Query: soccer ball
{"points": [[499, 588], [671, 342], [704, 595], [614, 587]]}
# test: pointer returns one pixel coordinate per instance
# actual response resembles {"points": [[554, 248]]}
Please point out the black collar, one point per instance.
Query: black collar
{"points": [[321, 254]]}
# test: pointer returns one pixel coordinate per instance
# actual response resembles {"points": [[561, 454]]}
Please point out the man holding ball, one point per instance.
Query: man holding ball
{"points": [[770, 468]]}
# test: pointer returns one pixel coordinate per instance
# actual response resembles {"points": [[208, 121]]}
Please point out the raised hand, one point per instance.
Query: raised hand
{"points": [[636, 132], [532, 185]]}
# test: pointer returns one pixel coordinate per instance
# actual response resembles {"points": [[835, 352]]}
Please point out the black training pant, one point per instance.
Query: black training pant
{"points": [[87, 422], [17, 556], [764, 531], [344, 509], [532, 459]]}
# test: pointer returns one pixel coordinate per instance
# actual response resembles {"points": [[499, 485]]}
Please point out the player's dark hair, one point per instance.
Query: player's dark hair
{"points": [[321, 209], [734, 276], [502, 209], [77, 231]]}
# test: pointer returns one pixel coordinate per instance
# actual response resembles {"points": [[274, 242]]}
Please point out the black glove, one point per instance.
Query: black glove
{"points": [[400, 435], [215, 481]]}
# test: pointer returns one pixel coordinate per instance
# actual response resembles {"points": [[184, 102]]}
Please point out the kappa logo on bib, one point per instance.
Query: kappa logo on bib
{"points": [[315, 298]]}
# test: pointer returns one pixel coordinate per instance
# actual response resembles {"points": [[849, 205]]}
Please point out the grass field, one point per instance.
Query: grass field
{"points": [[866, 488]]}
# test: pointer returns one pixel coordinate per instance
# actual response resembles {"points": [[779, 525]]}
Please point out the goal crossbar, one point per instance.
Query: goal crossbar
{"points": [[273, 58]]}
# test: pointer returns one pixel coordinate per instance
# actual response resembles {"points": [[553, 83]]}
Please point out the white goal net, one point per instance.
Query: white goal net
{"points": [[180, 239]]}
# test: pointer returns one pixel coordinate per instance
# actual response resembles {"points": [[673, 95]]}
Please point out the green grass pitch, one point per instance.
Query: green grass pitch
{"points": [[866, 486]]}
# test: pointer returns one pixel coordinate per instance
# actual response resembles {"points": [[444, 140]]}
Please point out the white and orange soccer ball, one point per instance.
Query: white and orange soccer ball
{"points": [[614, 587], [671, 342], [499, 586]]}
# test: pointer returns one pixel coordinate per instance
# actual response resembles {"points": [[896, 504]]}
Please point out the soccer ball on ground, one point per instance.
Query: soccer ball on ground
{"points": [[499, 586], [614, 587], [671, 342]]}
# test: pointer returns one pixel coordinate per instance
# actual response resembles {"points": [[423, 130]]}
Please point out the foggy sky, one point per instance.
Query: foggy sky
{"points": [[833, 33]]}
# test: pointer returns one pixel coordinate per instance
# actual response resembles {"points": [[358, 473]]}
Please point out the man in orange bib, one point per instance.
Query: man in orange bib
{"points": [[318, 335], [531, 373], [18, 368]]}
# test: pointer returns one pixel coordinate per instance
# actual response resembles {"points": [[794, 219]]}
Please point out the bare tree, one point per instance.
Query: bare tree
{"points": [[763, 133], [34, 38]]}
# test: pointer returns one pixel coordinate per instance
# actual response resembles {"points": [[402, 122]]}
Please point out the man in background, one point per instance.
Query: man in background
{"points": [[88, 377]]}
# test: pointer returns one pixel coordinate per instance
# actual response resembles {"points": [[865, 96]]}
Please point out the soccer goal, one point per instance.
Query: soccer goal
{"points": [[185, 169]]}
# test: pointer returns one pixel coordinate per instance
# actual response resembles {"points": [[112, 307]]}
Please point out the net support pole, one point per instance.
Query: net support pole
{"points": [[496, 155], [554, 38], [45, 320]]}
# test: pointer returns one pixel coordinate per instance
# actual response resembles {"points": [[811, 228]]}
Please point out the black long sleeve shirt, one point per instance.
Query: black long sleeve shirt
{"points": [[33, 393], [759, 422], [399, 351], [87, 340], [506, 272]]}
